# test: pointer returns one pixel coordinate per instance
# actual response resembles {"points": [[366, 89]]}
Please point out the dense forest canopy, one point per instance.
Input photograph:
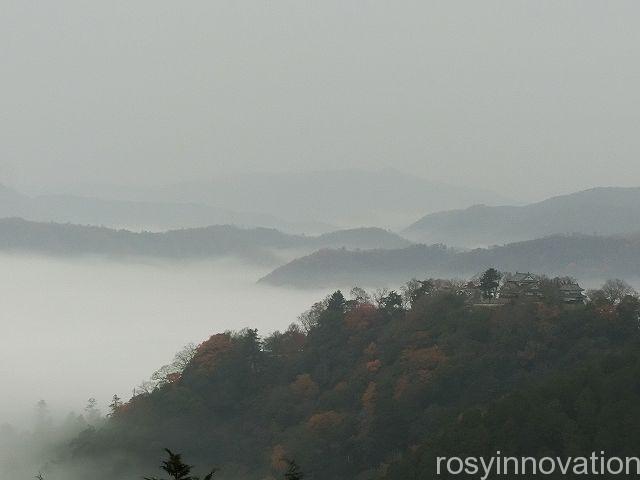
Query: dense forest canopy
{"points": [[377, 385]]}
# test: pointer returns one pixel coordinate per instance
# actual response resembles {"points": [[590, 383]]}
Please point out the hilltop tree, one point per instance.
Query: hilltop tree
{"points": [[177, 469], [391, 302], [615, 290], [360, 295], [337, 302], [115, 406], [414, 289], [251, 347], [309, 319], [489, 282], [171, 372]]}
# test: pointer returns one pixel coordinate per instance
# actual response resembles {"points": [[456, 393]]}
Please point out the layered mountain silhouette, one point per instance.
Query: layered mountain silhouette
{"points": [[345, 198], [138, 214], [256, 244], [583, 256], [601, 211]]}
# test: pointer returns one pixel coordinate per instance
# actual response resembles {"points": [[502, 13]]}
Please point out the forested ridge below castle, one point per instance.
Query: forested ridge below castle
{"points": [[376, 388]]}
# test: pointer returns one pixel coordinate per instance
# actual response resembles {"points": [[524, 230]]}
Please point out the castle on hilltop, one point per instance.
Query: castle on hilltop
{"points": [[529, 286]]}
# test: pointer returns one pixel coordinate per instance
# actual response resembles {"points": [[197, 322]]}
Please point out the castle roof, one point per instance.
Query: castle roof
{"points": [[571, 287], [524, 277]]}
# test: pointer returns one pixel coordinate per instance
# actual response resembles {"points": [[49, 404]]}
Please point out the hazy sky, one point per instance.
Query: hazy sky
{"points": [[527, 98]]}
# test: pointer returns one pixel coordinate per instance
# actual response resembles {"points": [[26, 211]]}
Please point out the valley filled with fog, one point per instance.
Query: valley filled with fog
{"points": [[90, 327]]}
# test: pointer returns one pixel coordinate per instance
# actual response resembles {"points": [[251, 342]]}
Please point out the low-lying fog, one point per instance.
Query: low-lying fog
{"points": [[79, 328]]}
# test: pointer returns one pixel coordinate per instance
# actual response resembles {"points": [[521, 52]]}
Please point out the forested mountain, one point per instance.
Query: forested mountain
{"points": [[583, 256], [139, 214], [375, 391], [602, 211], [257, 244]]}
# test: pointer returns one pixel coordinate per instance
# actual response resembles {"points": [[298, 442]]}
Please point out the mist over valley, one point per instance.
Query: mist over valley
{"points": [[89, 327]]}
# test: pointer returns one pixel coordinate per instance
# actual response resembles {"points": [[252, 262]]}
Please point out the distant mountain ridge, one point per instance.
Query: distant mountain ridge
{"points": [[255, 244], [602, 211], [137, 214], [582, 256], [387, 198]]}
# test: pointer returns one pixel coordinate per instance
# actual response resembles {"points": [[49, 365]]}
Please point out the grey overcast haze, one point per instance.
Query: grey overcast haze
{"points": [[527, 99]]}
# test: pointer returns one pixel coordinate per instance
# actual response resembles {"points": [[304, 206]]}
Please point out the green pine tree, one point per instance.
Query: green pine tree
{"points": [[177, 469]]}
